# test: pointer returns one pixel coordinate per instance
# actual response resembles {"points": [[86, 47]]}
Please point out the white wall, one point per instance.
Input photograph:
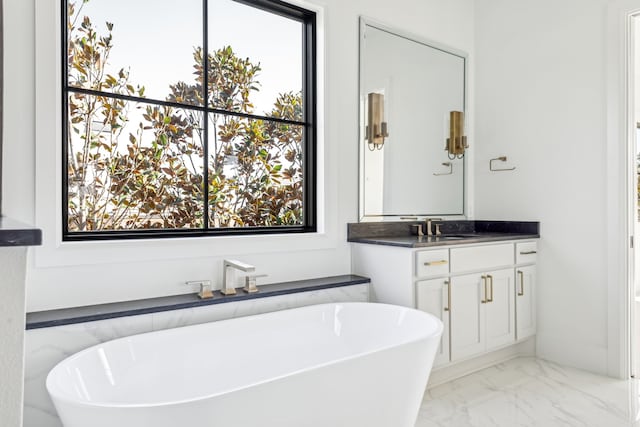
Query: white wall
{"points": [[113, 272], [18, 133], [539, 87], [12, 318], [541, 101]]}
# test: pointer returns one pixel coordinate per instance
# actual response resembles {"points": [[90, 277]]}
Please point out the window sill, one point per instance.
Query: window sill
{"points": [[56, 254]]}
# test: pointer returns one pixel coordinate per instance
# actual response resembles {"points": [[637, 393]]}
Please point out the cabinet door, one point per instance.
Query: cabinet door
{"points": [[467, 315], [499, 309], [432, 296], [525, 301]]}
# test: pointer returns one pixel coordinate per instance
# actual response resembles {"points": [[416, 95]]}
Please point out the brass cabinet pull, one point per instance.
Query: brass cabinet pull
{"points": [[490, 277], [528, 252], [484, 282], [521, 275], [448, 285], [441, 262]]}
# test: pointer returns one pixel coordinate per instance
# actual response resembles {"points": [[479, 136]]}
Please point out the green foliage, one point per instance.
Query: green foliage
{"points": [[152, 177]]}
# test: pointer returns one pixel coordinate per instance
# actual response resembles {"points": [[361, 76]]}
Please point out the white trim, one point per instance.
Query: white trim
{"points": [[48, 212], [630, 217], [618, 191], [632, 204]]}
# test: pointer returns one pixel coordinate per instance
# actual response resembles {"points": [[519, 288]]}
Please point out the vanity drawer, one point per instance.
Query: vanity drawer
{"points": [[432, 263], [481, 257], [526, 252]]}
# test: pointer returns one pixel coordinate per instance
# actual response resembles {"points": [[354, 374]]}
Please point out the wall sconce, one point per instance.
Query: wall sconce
{"points": [[376, 130], [457, 142]]}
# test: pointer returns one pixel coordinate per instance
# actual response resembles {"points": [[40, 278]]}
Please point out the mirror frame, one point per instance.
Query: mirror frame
{"points": [[362, 217]]}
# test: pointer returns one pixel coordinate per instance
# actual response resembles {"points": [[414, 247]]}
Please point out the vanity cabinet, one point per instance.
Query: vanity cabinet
{"points": [[433, 297], [525, 302], [525, 289], [484, 293], [482, 312], [482, 317]]}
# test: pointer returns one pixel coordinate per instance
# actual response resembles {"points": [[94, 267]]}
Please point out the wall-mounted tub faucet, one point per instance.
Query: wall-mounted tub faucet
{"points": [[227, 287]]}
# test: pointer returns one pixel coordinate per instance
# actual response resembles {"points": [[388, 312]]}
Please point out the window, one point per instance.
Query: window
{"points": [[187, 118]]}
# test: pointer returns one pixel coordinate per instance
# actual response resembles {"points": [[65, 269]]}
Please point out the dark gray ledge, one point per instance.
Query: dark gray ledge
{"points": [[67, 316], [14, 233]]}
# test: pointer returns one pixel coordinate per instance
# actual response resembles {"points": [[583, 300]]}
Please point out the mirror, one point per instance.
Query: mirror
{"points": [[408, 90]]}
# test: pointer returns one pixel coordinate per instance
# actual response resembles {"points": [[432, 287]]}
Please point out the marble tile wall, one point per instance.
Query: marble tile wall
{"points": [[45, 347]]}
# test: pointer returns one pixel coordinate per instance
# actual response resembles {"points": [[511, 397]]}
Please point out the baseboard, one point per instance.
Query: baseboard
{"points": [[454, 370]]}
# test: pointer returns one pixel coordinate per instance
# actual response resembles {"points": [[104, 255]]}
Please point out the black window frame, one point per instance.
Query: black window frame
{"points": [[309, 124]]}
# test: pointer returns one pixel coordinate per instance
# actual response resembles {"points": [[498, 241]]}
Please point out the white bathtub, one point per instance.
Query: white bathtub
{"points": [[329, 365]]}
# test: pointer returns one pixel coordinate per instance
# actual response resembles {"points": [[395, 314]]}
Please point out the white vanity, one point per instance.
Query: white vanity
{"points": [[478, 277], [483, 289]]}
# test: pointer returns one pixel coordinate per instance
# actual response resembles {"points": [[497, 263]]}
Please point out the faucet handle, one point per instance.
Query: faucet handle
{"points": [[418, 228], [250, 283], [205, 288]]}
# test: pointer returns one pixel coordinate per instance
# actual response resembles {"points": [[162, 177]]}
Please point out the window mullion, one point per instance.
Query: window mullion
{"points": [[205, 113]]}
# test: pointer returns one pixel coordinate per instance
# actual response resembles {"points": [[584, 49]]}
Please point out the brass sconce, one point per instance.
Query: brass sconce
{"points": [[376, 130], [457, 142]]}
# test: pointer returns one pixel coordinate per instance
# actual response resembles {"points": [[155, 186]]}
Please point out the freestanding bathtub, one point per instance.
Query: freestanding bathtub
{"points": [[329, 365]]}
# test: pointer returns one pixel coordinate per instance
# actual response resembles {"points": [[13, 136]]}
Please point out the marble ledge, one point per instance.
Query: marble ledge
{"points": [[52, 318], [14, 233]]}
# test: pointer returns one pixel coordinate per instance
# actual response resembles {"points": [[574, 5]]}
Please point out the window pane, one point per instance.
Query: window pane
{"points": [[255, 173], [133, 165], [255, 56], [144, 48]]}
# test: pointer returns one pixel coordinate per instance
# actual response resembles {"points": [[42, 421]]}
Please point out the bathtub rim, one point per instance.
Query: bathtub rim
{"points": [[436, 333]]}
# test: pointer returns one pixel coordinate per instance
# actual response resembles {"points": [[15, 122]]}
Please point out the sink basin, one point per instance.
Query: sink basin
{"points": [[458, 236]]}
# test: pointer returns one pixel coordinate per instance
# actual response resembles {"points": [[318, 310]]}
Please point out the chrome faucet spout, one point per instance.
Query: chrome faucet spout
{"points": [[227, 286], [239, 265]]}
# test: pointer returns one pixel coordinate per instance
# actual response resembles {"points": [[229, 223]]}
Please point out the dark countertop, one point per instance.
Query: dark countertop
{"points": [[67, 316], [14, 233], [402, 233], [425, 241]]}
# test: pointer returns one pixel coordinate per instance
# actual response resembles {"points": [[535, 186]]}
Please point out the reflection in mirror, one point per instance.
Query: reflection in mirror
{"points": [[420, 84], [376, 127]]}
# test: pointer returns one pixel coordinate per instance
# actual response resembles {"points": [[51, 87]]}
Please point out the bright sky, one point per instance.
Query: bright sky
{"points": [[156, 39]]}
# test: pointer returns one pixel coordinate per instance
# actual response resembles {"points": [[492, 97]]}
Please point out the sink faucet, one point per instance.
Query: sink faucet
{"points": [[227, 287], [429, 229]]}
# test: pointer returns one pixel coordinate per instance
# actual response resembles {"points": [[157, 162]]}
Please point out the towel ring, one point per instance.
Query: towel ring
{"points": [[502, 159]]}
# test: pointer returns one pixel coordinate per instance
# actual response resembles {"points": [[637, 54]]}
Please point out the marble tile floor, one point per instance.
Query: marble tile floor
{"points": [[531, 392]]}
